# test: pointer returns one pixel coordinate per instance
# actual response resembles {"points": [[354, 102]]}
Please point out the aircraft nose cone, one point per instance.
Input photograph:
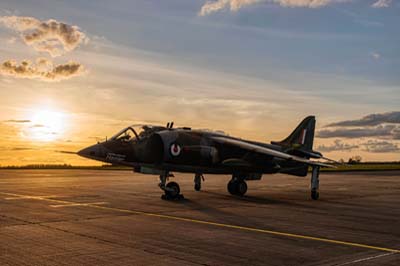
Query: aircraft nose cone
{"points": [[91, 151]]}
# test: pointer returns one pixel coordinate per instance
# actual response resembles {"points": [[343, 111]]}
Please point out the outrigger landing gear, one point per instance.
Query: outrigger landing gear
{"points": [[197, 181], [315, 183], [237, 186], [171, 190]]}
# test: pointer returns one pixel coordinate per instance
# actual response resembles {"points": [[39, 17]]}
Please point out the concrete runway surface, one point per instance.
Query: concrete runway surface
{"points": [[79, 217]]}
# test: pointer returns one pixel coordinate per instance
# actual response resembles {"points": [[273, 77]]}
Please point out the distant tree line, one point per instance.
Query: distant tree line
{"points": [[39, 166]]}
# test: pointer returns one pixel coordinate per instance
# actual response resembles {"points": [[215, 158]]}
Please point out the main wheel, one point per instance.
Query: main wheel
{"points": [[232, 186], [241, 188], [314, 194], [197, 187], [172, 190]]}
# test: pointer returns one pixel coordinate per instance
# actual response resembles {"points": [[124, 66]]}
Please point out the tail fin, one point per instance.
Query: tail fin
{"points": [[302, 137]]}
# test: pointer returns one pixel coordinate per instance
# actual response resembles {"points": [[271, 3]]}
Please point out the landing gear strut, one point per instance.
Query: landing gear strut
{"points": [[315, 183], [171, 190], [197, 181], [237, 186]]}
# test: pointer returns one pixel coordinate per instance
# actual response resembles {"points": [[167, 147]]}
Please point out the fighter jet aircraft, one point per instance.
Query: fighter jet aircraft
{"points": [[161, 150]]}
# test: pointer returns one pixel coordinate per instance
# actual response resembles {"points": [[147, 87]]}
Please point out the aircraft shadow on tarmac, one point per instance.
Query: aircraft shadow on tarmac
{"points": [[224, 211], [235, 201]]}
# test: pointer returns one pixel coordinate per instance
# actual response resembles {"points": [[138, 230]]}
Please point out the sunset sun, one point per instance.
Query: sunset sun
{"points": [[47, 125]]}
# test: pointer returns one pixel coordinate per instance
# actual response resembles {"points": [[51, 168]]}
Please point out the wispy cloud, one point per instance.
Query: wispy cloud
{"points": [[42, 70], [37, 126], [383, 125], [338, 145], [17, 121], [376, 55], [370, 120], [234, 5], [51, 36], [381, 3], [381, 146], [373, 146], [386, 131]]}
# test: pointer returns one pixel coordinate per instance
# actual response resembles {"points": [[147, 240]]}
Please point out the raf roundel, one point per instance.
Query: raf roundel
{"points": [[175, 149]]}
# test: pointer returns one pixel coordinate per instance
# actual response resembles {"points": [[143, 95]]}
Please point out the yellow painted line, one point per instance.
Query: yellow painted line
{"points": [[78, 204], [238, 227]]}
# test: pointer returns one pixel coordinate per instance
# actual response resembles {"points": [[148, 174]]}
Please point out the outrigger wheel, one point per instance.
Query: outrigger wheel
{"points": [[314, 194], [237, 187], [197, 181]]}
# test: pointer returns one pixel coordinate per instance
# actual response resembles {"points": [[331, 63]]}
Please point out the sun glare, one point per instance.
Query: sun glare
{"points": [[47, 125]]}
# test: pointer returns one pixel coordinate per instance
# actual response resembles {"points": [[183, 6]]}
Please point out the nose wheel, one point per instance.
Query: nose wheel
{"points": [[171, 190]]}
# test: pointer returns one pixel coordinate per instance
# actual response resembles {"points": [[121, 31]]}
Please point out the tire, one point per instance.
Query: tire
{"points": [[173, 190], [314, 194], [232, 187], [197, 187], [241, 188]]}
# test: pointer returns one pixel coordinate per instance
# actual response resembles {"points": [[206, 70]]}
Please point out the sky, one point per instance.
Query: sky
{"points": [[74, 72]]}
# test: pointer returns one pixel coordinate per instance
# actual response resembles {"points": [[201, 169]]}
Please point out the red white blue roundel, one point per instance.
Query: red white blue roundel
{"points": [[175, 149]]}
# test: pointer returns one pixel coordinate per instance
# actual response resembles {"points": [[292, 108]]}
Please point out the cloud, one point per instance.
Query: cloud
{"points": [[234, 5], [304, 3], [370, 120], [18, 148], [381, 3], [51, 36], [337, 146], [381, 146], [11, 40], [37, 126], [20, 23], [376, 55], [22, 149], [17, 121], [387, 131], [42, 70]]}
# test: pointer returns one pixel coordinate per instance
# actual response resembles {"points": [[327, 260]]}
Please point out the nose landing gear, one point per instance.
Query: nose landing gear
{"points": [[171, 190]]}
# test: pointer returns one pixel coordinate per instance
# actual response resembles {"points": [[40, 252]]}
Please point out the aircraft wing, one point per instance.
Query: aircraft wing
{"points": [[267, 151]]}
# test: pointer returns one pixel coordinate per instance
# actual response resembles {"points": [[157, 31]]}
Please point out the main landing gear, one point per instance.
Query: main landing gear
{"points": [[315, 183], [237, 186], [197, 181], [171, 190]]}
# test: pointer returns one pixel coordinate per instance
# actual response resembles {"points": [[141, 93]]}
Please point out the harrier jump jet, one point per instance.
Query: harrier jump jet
{"points": [[161, 150]]}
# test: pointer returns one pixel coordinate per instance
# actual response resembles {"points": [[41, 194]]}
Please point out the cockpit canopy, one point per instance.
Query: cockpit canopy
{"points": [[136, 132]]}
